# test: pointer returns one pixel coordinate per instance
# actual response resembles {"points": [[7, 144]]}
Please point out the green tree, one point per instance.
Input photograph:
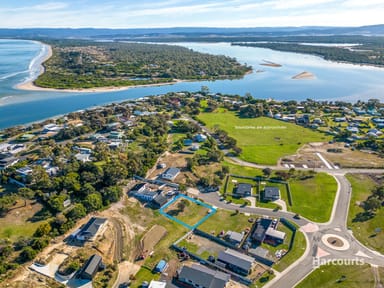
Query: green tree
{"points": [[42, 230], [93, 202]]}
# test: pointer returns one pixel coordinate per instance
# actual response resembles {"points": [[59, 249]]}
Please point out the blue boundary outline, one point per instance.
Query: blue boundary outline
{"points": [[196, 201]]}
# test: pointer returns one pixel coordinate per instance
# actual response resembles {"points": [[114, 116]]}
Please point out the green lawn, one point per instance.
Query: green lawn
{"points": [[190, 214], [365, 231], [297, 250], [263, 140], [144, 274], [313, 198], [16, 223], [227, 221], [356, 276]]}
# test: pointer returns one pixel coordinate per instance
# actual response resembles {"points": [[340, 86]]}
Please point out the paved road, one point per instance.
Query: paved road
{"points": [[316, 247]]}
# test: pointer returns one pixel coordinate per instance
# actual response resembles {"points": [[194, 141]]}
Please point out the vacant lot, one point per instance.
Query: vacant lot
{"points": [[225, 220], [187, 211], [346, 158], [17, 221], [364, 231], [313, 198], [152, 237], [201, 246], [331, 276], [263, 140]]}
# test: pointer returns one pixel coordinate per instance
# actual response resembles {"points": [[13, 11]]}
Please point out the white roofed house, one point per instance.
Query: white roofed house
{"points": [[170, 174]]}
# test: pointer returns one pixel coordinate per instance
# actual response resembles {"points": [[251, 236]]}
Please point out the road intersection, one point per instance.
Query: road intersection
{"points": [[326, 242]]}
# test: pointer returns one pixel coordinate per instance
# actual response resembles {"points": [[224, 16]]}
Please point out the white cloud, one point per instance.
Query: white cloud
{"points": [[50, 6], [360, 3]]}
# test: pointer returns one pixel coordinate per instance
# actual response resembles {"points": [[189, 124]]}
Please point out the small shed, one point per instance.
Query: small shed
{"points": [[161, 266]]}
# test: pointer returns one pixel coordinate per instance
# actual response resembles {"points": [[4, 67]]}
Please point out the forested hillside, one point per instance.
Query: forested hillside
{"points": [[85, 64]]}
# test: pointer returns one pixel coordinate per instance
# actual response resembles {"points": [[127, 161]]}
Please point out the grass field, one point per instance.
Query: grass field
{"points": [[364, 231], [356, 276], [313, 198], [263, 140], [227, 221], [297, 250], [187, 211], [16, 224]]}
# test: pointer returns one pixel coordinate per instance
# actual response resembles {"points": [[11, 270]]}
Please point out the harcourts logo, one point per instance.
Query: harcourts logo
{"points": [[317, 262]]}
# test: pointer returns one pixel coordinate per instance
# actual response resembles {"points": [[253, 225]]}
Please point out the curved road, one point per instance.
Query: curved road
{"points": [[337, 225]]}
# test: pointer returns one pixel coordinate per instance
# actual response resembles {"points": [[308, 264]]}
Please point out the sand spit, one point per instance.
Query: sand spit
{"points": [[304, 75], [270, 64]]}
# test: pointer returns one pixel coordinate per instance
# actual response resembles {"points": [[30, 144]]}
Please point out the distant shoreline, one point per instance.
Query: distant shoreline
{"points": [[31, 86]]}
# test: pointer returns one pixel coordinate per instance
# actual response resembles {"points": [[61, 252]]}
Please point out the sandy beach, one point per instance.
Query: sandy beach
{"points": [[32, 87], [304, 75]]}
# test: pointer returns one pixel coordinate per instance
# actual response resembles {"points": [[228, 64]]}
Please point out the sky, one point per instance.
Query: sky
{"points": [[187, 13]]}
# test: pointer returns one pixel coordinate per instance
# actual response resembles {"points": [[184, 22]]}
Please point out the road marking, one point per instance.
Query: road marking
{"points": [[329, 166], [362, 254]]}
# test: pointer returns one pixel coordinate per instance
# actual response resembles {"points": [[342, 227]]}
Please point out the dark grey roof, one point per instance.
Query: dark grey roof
{"points": [[204, 276], [243, 189], [271, 192], [137, 187], [236, 258], [92, 265], [259, 233], [90, 229], [160, 200], [261, 228]]}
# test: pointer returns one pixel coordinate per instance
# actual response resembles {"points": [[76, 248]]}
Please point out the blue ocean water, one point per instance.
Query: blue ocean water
{"points": [[19, 61]]}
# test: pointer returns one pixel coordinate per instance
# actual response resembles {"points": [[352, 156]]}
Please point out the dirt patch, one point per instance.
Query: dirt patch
{"points": [[344, 158], [151, 238], [335, 242], [205, 245]]}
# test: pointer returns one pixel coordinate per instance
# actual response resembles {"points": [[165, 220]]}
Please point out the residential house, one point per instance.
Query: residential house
{"points": [[187, 142], [146, 195], [271, 193], [235, 261], [203, 277], [90, 268], [82, 157], [274, 237], [138, 188], [8, 162], [171, 173], [200, 137], [243, 190], [89, 231], [51, 128], [234, 237], [159, 201], [157, 284], [116, 135], [261, 228]]}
